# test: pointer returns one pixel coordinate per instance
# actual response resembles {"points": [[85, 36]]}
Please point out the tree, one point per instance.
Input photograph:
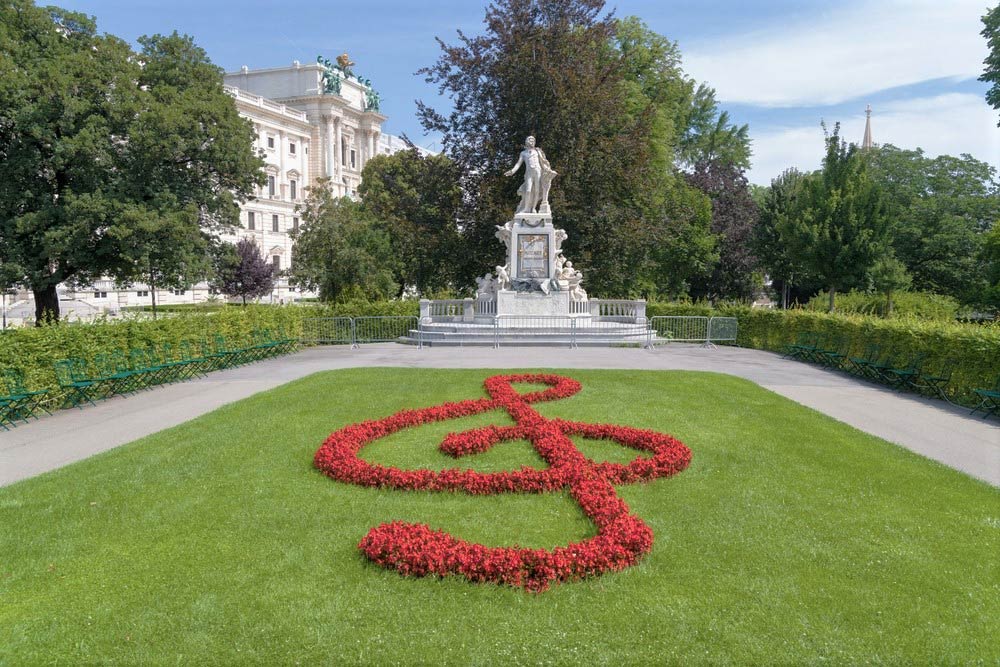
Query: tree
{"points": [[779, 203], [109, 157], [841, 226], [244, 272], [341, 250], [555, 71], [989, 257], [991, 75], [416, 201], [941, 208], [889, 275], [734, 216]]}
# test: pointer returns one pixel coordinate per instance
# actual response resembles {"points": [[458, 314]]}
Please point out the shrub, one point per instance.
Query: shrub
{"points": [[970, 351], [34, 350], [926, 305]]}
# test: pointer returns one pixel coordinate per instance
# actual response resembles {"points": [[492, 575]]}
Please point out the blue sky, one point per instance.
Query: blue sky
{"points": [[781, 66]]}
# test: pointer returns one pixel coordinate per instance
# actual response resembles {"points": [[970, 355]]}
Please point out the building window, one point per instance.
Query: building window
{"points": [[354, 156], [295, 224], [292, 189], [343, 152], [270, 142], [100, 295], [276, 262], [274, 223], [250, 220], [142, 292], [179, 292], [270, 186], [291, 147]]}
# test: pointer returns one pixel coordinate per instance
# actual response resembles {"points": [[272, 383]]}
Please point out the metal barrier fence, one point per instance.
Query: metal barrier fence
{"points": [[692, 329], [328, 330], [518, 329], [383, 329]]}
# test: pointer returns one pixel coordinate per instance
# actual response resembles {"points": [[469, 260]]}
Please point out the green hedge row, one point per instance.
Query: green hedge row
{"points": [[970, 351], [34, 350]]}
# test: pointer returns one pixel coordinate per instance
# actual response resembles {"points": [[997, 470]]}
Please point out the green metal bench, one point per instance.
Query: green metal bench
{"points": [[934, 383], [17, 403], [860, 366], [989, 401], [75, 381], [804, 344], [905, 376]]}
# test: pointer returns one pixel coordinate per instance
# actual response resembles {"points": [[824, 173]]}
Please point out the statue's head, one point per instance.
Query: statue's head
{"points": [[569, 265], [529, 142]]}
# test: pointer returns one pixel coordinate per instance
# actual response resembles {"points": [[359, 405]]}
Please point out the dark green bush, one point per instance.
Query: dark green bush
{"points": [[970, 351], [925, 305]]}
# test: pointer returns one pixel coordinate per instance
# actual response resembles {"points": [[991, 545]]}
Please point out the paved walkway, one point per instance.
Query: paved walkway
{"points": [[931, 428]]}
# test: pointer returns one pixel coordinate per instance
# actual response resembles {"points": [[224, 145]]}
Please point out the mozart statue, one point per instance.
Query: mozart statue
{"points": [[538, 175]]}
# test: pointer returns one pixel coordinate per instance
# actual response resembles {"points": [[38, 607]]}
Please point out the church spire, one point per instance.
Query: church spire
{"points": [[866, 143]]}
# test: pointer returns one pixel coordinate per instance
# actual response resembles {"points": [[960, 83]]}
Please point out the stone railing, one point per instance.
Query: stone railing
{"points": [[264, 103], [486, 307], [467, 310], [622, 310]]}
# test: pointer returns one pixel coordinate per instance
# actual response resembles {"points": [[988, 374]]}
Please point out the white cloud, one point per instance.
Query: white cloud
{"points": [[845, 53], [945, 124]]}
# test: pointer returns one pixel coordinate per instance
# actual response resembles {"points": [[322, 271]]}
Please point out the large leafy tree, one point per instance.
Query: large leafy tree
{"points": [[841, 226], [341, 250], [991, 74], [734, 217], [113, 162], [941, 208], [417, 200], [779, 203], [556, 70]]}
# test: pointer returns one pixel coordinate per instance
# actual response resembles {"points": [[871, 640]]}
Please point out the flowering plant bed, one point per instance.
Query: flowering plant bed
{"points": [[418, 550]]}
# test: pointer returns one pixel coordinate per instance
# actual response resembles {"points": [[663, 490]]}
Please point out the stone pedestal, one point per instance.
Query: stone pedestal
{"points": [[532, 252], [535, 304]]}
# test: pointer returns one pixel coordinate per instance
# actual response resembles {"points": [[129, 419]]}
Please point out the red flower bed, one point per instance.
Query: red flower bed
{"points": [[418, 550]]}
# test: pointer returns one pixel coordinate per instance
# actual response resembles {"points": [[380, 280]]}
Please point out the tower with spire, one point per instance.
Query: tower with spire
{"points": [[866, 143]]}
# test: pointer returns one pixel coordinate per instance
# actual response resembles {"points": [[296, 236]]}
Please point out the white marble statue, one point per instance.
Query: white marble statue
{"points": [[486, 287], [503, 278], [503, 233], [560, 262], [558, 239], [538, 175]]}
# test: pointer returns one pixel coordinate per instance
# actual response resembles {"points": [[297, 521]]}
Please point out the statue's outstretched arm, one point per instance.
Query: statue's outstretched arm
{"points": [[517, 166]]}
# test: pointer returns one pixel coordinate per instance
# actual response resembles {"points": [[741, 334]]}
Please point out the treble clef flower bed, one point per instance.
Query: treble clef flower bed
{"points": [[418, 550]]}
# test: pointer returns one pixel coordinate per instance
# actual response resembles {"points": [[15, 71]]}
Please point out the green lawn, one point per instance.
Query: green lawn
{"points": [[791, 538]]}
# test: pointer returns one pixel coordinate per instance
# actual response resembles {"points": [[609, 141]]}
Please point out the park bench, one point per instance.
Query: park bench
{"points": [[905, 377], [859, 366], [76, 382], [804, 344], [934, 383], [989, 401], [833, 352], [17, 403]]}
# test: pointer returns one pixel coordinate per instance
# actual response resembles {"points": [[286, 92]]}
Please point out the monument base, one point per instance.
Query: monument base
{"points": [[553, 304]]}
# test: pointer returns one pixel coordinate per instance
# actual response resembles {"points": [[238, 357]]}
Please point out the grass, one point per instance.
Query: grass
{"points": [[792, 538]]}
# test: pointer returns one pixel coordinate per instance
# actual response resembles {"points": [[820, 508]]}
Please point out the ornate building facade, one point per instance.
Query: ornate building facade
{"points": [[312, 121]]}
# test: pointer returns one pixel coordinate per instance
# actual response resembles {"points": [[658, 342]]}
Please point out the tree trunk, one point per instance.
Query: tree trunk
{"points": [[46, 305], [888, 304], [833, 303], [152, 293]]}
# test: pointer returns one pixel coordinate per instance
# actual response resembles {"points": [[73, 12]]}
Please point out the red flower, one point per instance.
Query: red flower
{"points": [[418, 550]]}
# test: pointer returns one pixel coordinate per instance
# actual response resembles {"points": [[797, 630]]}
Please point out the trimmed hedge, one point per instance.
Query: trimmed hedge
{"points": [[971, 351], [34, 350]]}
